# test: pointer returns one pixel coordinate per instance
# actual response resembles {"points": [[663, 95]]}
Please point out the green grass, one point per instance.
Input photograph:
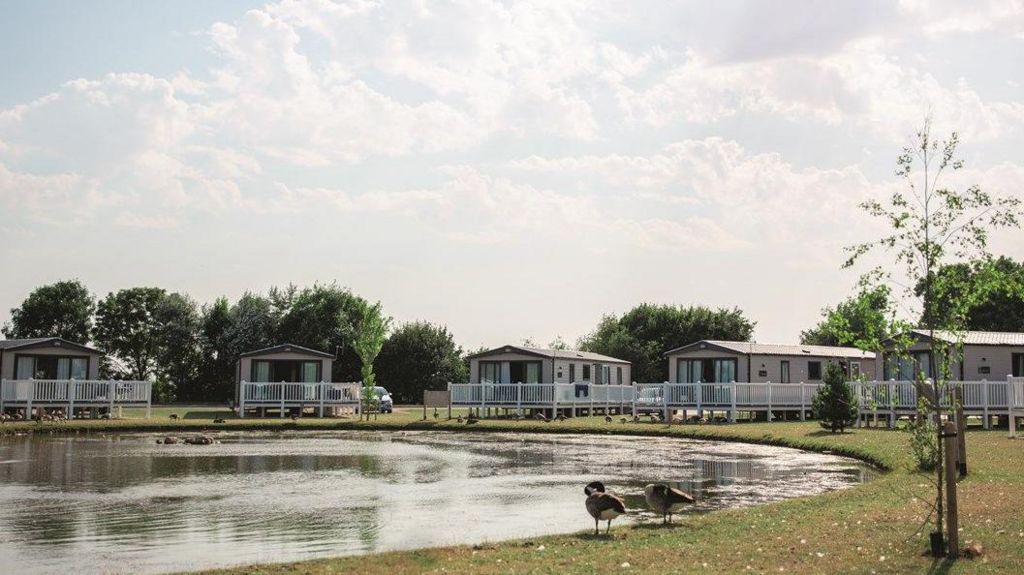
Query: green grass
{"points": [[874, 527]]}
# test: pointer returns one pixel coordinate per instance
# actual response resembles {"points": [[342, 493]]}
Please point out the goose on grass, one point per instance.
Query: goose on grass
{"points": [[602, 506]]}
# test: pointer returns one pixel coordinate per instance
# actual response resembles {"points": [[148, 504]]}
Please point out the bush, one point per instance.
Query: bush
{"points": [[834, 404]]}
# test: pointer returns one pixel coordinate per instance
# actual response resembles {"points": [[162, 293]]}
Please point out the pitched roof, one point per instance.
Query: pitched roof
{"points": [[754, 348], [550, 354], [974, 337], [288, 348], [40, 341]]}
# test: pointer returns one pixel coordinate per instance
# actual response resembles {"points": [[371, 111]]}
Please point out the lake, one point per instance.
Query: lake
{"points": [[121, 503]]}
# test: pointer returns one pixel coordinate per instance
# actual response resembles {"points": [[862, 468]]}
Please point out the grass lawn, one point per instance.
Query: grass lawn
{"points": [[875, 527]]}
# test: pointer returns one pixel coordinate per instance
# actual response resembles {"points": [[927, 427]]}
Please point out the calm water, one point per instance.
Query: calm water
{"points": [[123, 504]]}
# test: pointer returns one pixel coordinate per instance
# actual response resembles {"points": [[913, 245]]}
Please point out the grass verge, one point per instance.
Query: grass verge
{"points": [[876, 527]]}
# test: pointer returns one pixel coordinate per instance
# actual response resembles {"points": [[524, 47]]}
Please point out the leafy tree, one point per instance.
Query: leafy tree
{"points": [[416, 357], [558, 343], [253, 324], [217, 367], [177, 329], [63, 309], [126, 330], [371, 332], [643, 334], [928, 224], [860, 321], [322, 317], [835, 405], [990, 291]]}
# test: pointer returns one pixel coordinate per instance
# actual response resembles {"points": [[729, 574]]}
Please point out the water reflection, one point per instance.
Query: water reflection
{"points": [[123, 504]]}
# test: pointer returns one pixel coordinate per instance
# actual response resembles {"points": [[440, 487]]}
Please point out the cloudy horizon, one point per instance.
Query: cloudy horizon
{"points": [[510, 170]]}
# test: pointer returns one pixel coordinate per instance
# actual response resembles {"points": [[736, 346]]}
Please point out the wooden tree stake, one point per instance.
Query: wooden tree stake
{"points": [[949, 435]]}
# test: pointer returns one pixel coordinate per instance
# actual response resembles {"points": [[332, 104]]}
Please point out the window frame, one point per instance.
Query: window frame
{"points": [[818, 366]]}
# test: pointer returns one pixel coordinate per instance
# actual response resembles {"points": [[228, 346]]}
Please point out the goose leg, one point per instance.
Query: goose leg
{"points": [[670, 518], [597, 527], [609, 528]]}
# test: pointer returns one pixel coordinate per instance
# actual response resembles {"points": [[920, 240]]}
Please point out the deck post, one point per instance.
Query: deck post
{"points": [[554, 399], [892, 404], [149, 399], [32, 394], [71, 400], [1011, 400], [281, 415], [241, 399], [803, 403], [111, 393], [769, 394], [699, 388], [3, 384], [732, 392], [323, 390], [664, 401], [984, 405], [633, 406], [449, 400]]}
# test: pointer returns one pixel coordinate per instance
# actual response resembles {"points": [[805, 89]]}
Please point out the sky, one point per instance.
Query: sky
{"points": [[509, 169]]}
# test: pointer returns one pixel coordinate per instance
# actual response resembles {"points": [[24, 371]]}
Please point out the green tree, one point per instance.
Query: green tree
{"points": [[63, 309], [217, 366], [252, 325], [643, 334], [371, 332], [835, 405], [860, 321], [127, 331], [177, 328], [322, 317], [990, 293], [929, 224], [419, 356]]}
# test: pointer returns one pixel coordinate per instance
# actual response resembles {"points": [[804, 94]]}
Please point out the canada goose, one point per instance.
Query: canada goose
{"points": [[602, 505], [219, 420], [654, 418], [607, 419], [636, 419], [295, 418], [470, 420], [541, 417], [665, 500], [561, 417], [623, 420], [173, 417], [436, 414], [459, 419]]}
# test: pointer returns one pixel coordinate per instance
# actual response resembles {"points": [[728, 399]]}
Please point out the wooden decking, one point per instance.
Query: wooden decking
{"points": [[282, 399], [888, 400], [33, 396]]}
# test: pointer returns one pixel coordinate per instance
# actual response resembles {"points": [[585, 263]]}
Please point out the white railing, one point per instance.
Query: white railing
{"points": [[78, 391], [884, 396], [289, 394], [72, 392], [901, 396]]}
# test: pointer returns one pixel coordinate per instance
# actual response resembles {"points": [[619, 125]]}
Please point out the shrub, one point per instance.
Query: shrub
{"points": [[834, 404]]}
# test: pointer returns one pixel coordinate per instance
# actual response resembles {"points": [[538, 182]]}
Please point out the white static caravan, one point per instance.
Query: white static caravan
{"points": [[518, 364], [714, 361]]}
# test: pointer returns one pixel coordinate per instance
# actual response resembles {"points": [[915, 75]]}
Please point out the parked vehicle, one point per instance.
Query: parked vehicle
{"points": [[384, 402]]}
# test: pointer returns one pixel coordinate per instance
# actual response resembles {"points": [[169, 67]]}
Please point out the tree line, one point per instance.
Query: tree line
{"points": [[191, 351]]}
